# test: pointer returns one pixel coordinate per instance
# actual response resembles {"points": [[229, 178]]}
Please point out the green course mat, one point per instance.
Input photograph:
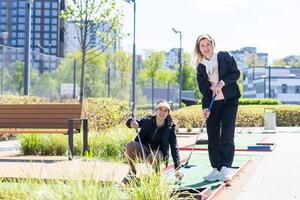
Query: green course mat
{"points": [[242, 141], [200, 166]]}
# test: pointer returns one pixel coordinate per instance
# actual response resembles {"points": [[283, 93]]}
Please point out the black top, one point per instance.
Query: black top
{"points": [[159, 138], [228, 72]]}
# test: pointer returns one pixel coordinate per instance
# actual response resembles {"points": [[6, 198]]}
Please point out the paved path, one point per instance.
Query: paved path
{"points": [[278, 175]]}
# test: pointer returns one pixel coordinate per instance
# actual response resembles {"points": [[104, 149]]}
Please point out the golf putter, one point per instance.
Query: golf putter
{"points": [[201, 130], [141, 145]]}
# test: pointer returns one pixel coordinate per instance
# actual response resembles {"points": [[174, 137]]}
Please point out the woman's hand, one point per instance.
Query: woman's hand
{"points": [[179, 175], [134, 124], [206, 113], [218, 88]]}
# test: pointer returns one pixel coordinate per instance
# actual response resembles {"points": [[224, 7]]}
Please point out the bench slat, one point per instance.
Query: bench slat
{"points": [[39, 115], [44, 125]]}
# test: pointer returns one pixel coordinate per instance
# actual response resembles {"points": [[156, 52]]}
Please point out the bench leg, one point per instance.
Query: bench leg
{"points": [[85, 136], [71, 144]]}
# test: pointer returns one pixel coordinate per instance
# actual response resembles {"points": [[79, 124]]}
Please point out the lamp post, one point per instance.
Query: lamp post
{"points": [[4, 37], [27, 46], [180, 64], [133, 56]]}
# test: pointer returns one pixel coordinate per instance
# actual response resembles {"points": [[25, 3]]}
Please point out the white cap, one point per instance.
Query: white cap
{"points": [[162, 104], [204, 36]]}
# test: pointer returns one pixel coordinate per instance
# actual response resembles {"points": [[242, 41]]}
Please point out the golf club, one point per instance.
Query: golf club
{"points": [[201, 130]]}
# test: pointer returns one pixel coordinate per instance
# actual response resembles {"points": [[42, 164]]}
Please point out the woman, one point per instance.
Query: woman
{"points": [[217, 75], [157, 133]]}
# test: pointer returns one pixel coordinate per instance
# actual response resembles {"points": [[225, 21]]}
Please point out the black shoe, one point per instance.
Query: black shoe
{"points": [[129, 178]]}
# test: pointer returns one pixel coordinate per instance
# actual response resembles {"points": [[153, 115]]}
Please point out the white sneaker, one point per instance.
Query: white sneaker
{"points": [[212, 176], [225, 174]]}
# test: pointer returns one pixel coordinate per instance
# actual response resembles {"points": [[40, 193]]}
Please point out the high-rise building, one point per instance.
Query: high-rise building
{"points": [[46, 30], [93, 39], [172, 58]]}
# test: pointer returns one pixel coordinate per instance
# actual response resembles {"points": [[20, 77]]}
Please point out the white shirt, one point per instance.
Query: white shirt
{"points": [[213, 73]]}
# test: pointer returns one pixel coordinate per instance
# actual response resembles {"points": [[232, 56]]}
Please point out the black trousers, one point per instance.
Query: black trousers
{"points": [[220, 131]]}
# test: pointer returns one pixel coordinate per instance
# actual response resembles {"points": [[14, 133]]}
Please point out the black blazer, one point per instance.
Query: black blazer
{"points": [[159, 138], [228, 72]]}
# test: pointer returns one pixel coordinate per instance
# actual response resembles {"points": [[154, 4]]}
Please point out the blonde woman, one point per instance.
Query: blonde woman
{"points": [[217, 75]]}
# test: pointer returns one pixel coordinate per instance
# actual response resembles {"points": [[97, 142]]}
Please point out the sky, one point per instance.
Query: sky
{"points": [[270, 25]]}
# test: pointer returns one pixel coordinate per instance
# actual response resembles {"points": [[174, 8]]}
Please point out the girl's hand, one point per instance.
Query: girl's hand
{"points": [[134, 124]]}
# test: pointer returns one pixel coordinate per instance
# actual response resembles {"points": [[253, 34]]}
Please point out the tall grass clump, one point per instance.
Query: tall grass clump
{"points": [[110, 145], [152, 187], [38, 144], [58, 190]]}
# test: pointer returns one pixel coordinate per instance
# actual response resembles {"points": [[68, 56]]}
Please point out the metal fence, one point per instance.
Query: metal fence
{"points": [[54, 77]]}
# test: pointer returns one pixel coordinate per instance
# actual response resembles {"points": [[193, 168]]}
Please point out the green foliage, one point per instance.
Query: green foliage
{"points": [[279, 63], [45, 86], [9, 99], [37, 144], [90, 17], [153, 63], [104, 113], [110, 145], [150, 188], [258, 101]]}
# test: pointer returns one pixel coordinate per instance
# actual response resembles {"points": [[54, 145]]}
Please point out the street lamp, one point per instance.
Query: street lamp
{"points": [[180, 65], [27, 46], [4, 37], [133, 55]]}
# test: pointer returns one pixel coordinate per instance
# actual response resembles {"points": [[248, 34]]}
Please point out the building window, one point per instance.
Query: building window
{"points": [[38, 4], [22, 11], [47, 20], [47, 13], [284, 88], [54, 21], [54, 5], [297, 90], [37, 20]]}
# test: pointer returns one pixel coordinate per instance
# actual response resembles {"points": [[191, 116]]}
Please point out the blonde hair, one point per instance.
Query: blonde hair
{"points": [[198, 56]]}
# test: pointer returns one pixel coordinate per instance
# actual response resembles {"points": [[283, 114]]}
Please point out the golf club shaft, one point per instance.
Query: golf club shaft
{"points": [[203, 123], [141, 145]]}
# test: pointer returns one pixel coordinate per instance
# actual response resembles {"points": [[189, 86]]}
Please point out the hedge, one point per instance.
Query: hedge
{"points": [[104, 113], [258, 101]]}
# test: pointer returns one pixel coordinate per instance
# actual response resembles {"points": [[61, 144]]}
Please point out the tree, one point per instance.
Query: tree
{"points": [[252, 60], [96, 73], [121, 63], [279, 63], [152, 64], [90, 18]]}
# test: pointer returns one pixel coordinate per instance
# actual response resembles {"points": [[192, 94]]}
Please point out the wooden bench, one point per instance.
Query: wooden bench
{"points": [[44, 119]]}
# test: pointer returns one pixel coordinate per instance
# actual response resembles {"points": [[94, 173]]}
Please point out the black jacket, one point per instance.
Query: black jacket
{"points": [[159, 138], [228, 72]]}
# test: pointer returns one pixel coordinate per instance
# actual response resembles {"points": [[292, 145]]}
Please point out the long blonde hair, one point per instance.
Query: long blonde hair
{"points": [[198, 56]]}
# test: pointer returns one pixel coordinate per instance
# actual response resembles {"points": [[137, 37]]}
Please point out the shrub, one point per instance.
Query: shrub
{"points": [[258, 101], [104, 113]]}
